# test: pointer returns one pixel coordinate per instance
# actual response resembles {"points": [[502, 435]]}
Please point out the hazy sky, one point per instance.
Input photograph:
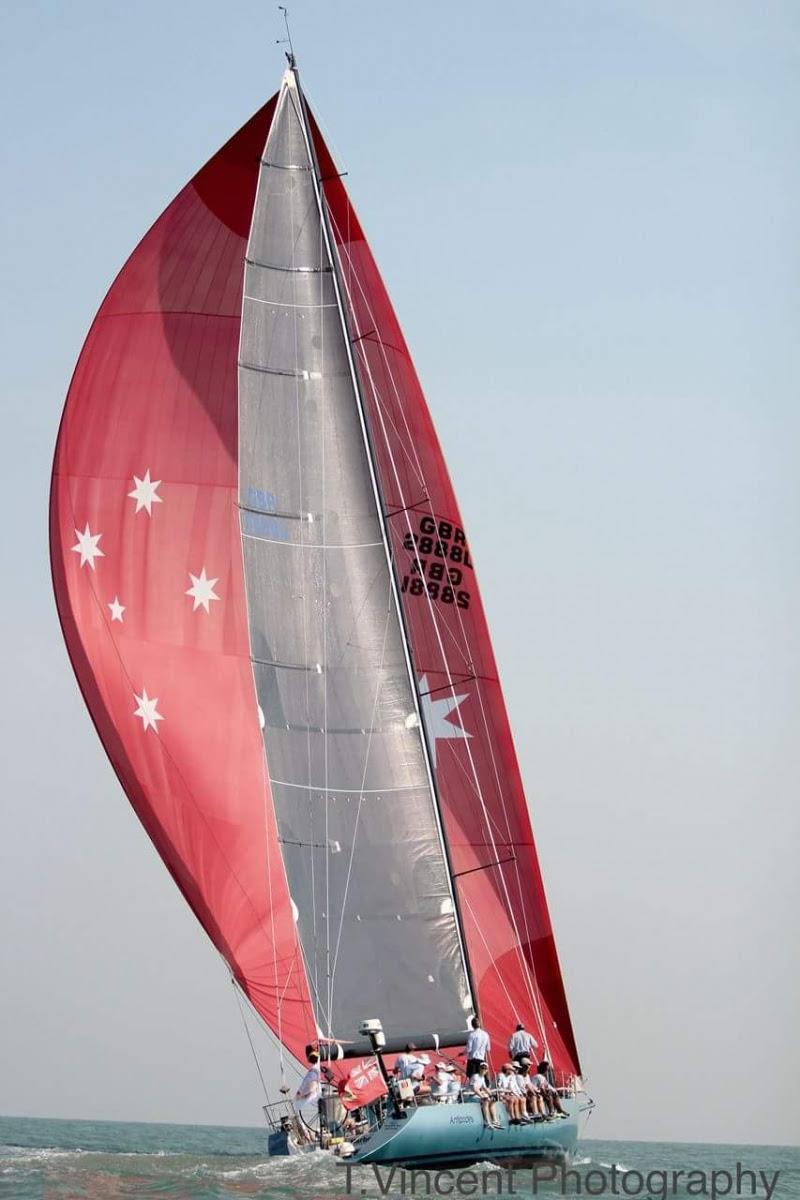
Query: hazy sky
{"points": [[587, 217]]}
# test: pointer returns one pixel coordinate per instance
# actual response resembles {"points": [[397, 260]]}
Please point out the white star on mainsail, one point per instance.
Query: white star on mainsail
{"points": [[87, 546], [144, 492], [117, 609], [147, 710], [202, 590], [435, 711]]}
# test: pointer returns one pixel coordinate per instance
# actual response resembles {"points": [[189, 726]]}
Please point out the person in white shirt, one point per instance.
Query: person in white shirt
{"points": [[550, 1097], [510, 1092], [307, 1096], [534, 1100], [442, 1084], [479, 1082], [477, 1047], [521, 1044], [411, 1065]]}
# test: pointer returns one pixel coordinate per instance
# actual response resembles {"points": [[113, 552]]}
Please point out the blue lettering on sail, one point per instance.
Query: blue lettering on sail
{"points": [[259, 525]]}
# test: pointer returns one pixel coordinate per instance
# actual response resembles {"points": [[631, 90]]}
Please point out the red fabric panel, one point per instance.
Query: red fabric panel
{"points": [[514, 962], [155, 390]]}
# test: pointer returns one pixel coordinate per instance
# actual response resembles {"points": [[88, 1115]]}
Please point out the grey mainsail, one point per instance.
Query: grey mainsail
{"points": [[356, 813]]}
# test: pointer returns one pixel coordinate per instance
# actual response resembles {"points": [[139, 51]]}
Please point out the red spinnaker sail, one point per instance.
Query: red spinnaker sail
{"points": [[147, 568]]}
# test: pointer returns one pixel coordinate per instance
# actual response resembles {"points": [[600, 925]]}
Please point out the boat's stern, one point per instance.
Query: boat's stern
{"points": [[442, 1135]]}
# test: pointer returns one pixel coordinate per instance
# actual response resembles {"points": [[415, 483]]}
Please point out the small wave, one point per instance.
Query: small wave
{"points": [[37, 1153]]}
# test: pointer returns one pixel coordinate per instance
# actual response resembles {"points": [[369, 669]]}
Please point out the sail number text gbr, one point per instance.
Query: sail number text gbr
{"points": [[439, 559]]}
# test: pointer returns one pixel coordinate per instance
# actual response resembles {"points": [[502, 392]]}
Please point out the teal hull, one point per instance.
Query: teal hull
{"points": [[440, 1135]]}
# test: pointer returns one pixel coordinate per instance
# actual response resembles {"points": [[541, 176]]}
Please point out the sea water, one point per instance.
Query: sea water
{"points": [[101, 1160]]}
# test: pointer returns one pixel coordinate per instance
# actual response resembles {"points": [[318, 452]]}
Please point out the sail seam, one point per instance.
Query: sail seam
{"points": [[283, 304], [285, 166], [254, 262], [351, 791], [286, 374], [257, 537]]}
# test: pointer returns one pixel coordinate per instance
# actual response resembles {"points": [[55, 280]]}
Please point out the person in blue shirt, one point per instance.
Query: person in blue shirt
{"points": [[522, 1044]]}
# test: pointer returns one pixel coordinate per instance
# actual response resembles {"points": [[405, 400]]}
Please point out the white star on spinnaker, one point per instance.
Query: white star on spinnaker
{"points": [[202, 590], [147, 710], [87, 546], [117, 609], [144, 492], [435, 711]]}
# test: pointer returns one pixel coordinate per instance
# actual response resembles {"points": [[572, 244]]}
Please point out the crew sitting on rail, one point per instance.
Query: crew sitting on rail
{"points": [[509, 1090], [521, 1044], [479, 1082], [551, 1098], [534, 1099], [545, 1069]]}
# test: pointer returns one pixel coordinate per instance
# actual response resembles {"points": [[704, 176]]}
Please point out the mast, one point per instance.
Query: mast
{"points": [[293, 80]]}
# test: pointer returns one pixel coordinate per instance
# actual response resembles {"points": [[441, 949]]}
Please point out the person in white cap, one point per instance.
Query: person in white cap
{"points": [[531, 1090]]}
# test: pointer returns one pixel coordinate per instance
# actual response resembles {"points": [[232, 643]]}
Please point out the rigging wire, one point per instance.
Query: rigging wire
{"points": [[250, 1040], [288, 39], [323, 435], [296, 224]]}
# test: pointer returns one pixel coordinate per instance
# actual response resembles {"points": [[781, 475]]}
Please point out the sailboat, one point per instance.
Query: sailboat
{"points": [[270, 604]]}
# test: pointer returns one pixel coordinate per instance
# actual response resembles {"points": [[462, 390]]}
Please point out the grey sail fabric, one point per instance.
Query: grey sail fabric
{"points": [[356, 815]]}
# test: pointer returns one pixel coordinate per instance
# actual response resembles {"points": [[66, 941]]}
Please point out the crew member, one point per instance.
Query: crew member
{"points": [[479, 1082], [307, 1097], [411, 1065], [552, 1100], [534, 1100], [440, 1084], [510, 1092], [545, 1069], [521, 1044], [477, 1048]]}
